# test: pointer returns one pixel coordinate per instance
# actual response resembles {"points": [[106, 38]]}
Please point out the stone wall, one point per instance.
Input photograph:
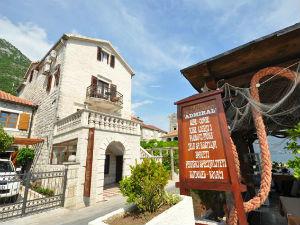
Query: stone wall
{"points": [[45, 116]]}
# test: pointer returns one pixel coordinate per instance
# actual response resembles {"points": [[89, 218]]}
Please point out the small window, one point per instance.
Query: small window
{"points": [[175, 128], [49, 82], [31, 76], [106, 164], [9, 119], [112, 61], [57, 75], [102, 55]]}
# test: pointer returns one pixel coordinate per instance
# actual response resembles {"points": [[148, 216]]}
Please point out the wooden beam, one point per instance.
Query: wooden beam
{"points": [[89, 163], [27, 141]]}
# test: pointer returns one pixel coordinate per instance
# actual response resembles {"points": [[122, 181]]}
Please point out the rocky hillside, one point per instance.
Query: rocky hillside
{"points": [[13, 65]]}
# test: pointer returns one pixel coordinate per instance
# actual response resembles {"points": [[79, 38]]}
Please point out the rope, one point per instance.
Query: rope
{"points": [[266, 174]]}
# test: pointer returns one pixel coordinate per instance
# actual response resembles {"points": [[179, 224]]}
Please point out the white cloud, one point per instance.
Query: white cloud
{"points": [[29, 38], [139, 104]]}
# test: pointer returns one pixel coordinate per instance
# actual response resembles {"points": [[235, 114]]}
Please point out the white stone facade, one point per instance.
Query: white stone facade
{"points": [[63, 113], [150, 134]]}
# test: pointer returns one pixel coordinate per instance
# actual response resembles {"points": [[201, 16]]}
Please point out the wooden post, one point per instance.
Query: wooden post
{"points": [[172, 163], [89, 163]]}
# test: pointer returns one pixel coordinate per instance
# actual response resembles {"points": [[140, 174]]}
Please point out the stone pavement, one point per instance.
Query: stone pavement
{"points": [[62, 216]]}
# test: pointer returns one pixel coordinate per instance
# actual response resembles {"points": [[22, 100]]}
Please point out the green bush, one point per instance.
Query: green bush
{"points": [[44, 191], [293, 145], [158, 144], [166, 160], [5, 140], [25, 157], [145, 186]]}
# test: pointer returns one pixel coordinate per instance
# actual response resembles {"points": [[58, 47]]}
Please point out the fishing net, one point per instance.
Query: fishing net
{"points": [[279, 103]]}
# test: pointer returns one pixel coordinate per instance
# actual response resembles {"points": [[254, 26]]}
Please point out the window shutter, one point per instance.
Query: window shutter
{"points": [[94, 81], [113, 93], [31, 76], [24, 121], [57, 75], [112, 61], [49, 82], [99, 50]]}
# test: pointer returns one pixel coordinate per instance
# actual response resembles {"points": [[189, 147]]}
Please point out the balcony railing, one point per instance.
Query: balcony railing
{"points": [[105, 93], [88, 118]]}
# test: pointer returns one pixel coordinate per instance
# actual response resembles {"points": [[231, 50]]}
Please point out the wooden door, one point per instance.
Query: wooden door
{"points": [[119, 168]]}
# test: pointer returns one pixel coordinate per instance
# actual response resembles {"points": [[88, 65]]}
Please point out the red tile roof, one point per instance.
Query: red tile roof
{"points": [[4, 96], [173, 133], [151, 127]]}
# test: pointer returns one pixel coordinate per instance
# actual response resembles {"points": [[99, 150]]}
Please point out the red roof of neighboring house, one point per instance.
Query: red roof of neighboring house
{"points": [[4, 96], [136, 119], [151, 127], [173, 133]]}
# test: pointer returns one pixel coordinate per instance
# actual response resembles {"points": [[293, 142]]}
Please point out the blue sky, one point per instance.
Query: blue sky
{"points": [[157, 38]]}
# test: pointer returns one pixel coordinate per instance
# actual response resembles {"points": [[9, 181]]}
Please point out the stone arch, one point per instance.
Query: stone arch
{"points": [[114, 151]]}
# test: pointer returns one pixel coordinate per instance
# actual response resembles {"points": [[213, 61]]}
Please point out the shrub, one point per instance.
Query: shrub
{"points": [[172, 199], [293, 145], [25, 157], [145, 186], [5, 140], [44, 191]]}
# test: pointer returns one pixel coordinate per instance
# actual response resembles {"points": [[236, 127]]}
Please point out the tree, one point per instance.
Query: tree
{"points": [[5, 140], [294, 146], [25, 157]]}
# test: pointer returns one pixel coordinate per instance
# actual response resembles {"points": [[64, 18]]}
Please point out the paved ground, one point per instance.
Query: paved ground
{"points": [[82, 216]]}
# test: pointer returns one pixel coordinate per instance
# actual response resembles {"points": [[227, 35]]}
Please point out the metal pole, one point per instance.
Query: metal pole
{"points": [[64, 187], [27, 185]]}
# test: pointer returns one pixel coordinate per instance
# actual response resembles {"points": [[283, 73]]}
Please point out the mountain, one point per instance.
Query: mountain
{"points": [[13, 65]]}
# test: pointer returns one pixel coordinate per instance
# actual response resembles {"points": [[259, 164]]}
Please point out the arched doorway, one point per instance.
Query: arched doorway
{"points": [[113, 166]]}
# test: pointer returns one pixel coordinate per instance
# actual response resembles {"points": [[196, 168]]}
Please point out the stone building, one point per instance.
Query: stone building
{"points": [[148, 131], [172, 135], [15, 118], [82, 87]]}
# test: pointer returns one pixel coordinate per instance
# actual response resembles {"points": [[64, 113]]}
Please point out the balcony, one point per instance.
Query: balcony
{"points": [[105, 98], [91, 119]]}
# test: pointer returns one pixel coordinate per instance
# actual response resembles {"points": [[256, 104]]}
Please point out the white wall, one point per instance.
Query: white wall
{"points": [[80, 65], [148, 134]]}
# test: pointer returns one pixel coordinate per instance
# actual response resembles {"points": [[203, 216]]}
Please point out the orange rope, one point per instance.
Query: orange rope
{"points": [[266, 174]]}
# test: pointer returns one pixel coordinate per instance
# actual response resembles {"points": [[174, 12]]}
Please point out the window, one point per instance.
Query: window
{"points": [[61, 152], [8, 119], [102, 55], [112, 61], [106, 164], [57, 75], [31, 76], [49, 82], [175, 128]]}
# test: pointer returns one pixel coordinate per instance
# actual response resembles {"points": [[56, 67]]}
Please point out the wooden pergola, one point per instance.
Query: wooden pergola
{"points": [[27, 141], [237, 66]]}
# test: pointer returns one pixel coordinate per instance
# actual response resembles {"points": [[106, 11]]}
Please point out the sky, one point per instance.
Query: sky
{"points": [[157, 38]]}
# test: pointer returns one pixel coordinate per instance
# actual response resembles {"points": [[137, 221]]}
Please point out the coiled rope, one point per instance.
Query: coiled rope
{"points": [[266, 174]]}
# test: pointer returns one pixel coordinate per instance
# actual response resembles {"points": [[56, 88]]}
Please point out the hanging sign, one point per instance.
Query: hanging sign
{"points": [[206, 159]]}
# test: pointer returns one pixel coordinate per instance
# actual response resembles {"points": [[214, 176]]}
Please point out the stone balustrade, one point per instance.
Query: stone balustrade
{"points": [[97, 120]]}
